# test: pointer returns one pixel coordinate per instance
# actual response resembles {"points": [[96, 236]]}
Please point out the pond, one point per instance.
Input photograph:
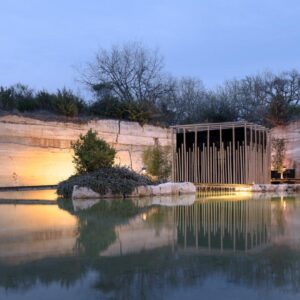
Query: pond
{"points": [[217, 246]]}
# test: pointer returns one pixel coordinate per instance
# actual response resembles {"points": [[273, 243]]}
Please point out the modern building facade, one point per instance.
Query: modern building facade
{"points": [[221, 153]]}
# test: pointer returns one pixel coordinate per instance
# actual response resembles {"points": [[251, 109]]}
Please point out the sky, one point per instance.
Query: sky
{"points": [[43, 43]]}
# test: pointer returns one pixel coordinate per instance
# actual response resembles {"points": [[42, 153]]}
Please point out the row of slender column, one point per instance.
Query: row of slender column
{"points": [[242, 225], [235, 162]]}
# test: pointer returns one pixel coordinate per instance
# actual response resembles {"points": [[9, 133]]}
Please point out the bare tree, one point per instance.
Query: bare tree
{"points": [[129, 72]]}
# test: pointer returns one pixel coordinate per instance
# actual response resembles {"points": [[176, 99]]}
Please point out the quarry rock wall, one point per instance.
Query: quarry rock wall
{"points": [[291, 135], [35, 152]]}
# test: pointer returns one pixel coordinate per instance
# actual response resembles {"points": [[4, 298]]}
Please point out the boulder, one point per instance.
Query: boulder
{"points": [[186, 188], [155, 190], [164, 189], [80, 192]]}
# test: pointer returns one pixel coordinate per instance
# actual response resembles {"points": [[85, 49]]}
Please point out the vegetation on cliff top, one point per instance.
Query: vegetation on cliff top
{"points": [[128, 82]]}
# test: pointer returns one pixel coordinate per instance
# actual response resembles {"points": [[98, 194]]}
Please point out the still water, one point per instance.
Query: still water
{"points": [[211, 247]]}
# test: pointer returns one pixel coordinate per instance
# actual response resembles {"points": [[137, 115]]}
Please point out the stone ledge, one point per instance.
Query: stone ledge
{"points": [[273, 188], [164, 189]]}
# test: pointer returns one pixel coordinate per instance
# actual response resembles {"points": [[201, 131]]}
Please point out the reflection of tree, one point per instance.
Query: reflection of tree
{"points": [[64, 271], [96, 225], [149, 274]]}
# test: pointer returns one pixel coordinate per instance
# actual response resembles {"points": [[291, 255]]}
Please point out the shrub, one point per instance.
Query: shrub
{"points": [[108, 107], [66, 103], [92, 153], [157, 162], [117, 180], [278, 155]]}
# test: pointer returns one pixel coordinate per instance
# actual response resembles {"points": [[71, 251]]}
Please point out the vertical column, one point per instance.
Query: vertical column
{"points": [[173, 149], [221, 155], [184, 157], [208, 156], [233, 154], [251, 157], [196, 158], [246, 156]]}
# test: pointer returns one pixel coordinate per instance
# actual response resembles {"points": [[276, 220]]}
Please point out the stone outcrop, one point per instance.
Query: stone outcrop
{"points": [[36, 152], [164, 189]]}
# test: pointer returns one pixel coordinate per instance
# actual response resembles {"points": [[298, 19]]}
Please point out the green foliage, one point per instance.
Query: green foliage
{"points": [[23, 99], [112, 107], [278, 111], [108, 107], [157, 161], [278, 150], [92, 153], [116, 180], [65, 104]]}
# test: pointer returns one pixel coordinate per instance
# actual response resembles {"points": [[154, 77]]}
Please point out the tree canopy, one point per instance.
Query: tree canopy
{"points": [[129, 82]]}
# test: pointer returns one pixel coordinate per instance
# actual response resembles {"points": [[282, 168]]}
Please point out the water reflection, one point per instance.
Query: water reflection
{"points": [[29, 195], [121, 251], [31, 232], [224, 225]]}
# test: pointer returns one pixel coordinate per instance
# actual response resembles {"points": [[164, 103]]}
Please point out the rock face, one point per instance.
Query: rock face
{"points": [[165, 189], [291, 135], [35, 152]]}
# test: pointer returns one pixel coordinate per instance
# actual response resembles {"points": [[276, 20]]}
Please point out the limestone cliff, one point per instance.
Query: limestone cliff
{"points": [[35, 152], [291, 135]]}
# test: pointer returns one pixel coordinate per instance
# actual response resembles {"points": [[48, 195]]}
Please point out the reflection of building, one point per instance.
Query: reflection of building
{"points": [[224, 225], [141, 234], [223, 153], [209, 225]]}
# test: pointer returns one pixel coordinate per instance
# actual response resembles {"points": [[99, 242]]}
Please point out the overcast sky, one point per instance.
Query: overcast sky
{"points": [[42, 42]]}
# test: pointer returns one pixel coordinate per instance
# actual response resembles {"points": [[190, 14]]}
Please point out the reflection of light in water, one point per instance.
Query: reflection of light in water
{"points": [[30, 195], [286, 221], [144, 217], [35, 231]]}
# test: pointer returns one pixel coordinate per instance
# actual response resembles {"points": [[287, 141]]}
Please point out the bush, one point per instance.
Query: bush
{"points": [[157, 162], [67, 103], [117, 180], [92, 153], [278, 155]]}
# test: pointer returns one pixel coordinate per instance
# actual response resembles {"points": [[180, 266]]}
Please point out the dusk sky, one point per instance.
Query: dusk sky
{"points": [[43, 42]]}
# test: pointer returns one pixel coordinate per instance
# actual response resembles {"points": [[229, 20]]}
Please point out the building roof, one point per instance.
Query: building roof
{"points": [[217, 126]]}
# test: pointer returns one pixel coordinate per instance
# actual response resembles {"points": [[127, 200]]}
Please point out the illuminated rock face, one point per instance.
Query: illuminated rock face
{"points": [[291, 134], [34, 152]]}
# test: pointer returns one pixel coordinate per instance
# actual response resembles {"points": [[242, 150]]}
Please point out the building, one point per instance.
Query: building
{"points": [[221, 153]]}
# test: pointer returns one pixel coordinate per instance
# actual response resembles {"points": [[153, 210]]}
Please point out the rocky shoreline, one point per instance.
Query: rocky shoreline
{"points": [[270, 188], [164, 189]]}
